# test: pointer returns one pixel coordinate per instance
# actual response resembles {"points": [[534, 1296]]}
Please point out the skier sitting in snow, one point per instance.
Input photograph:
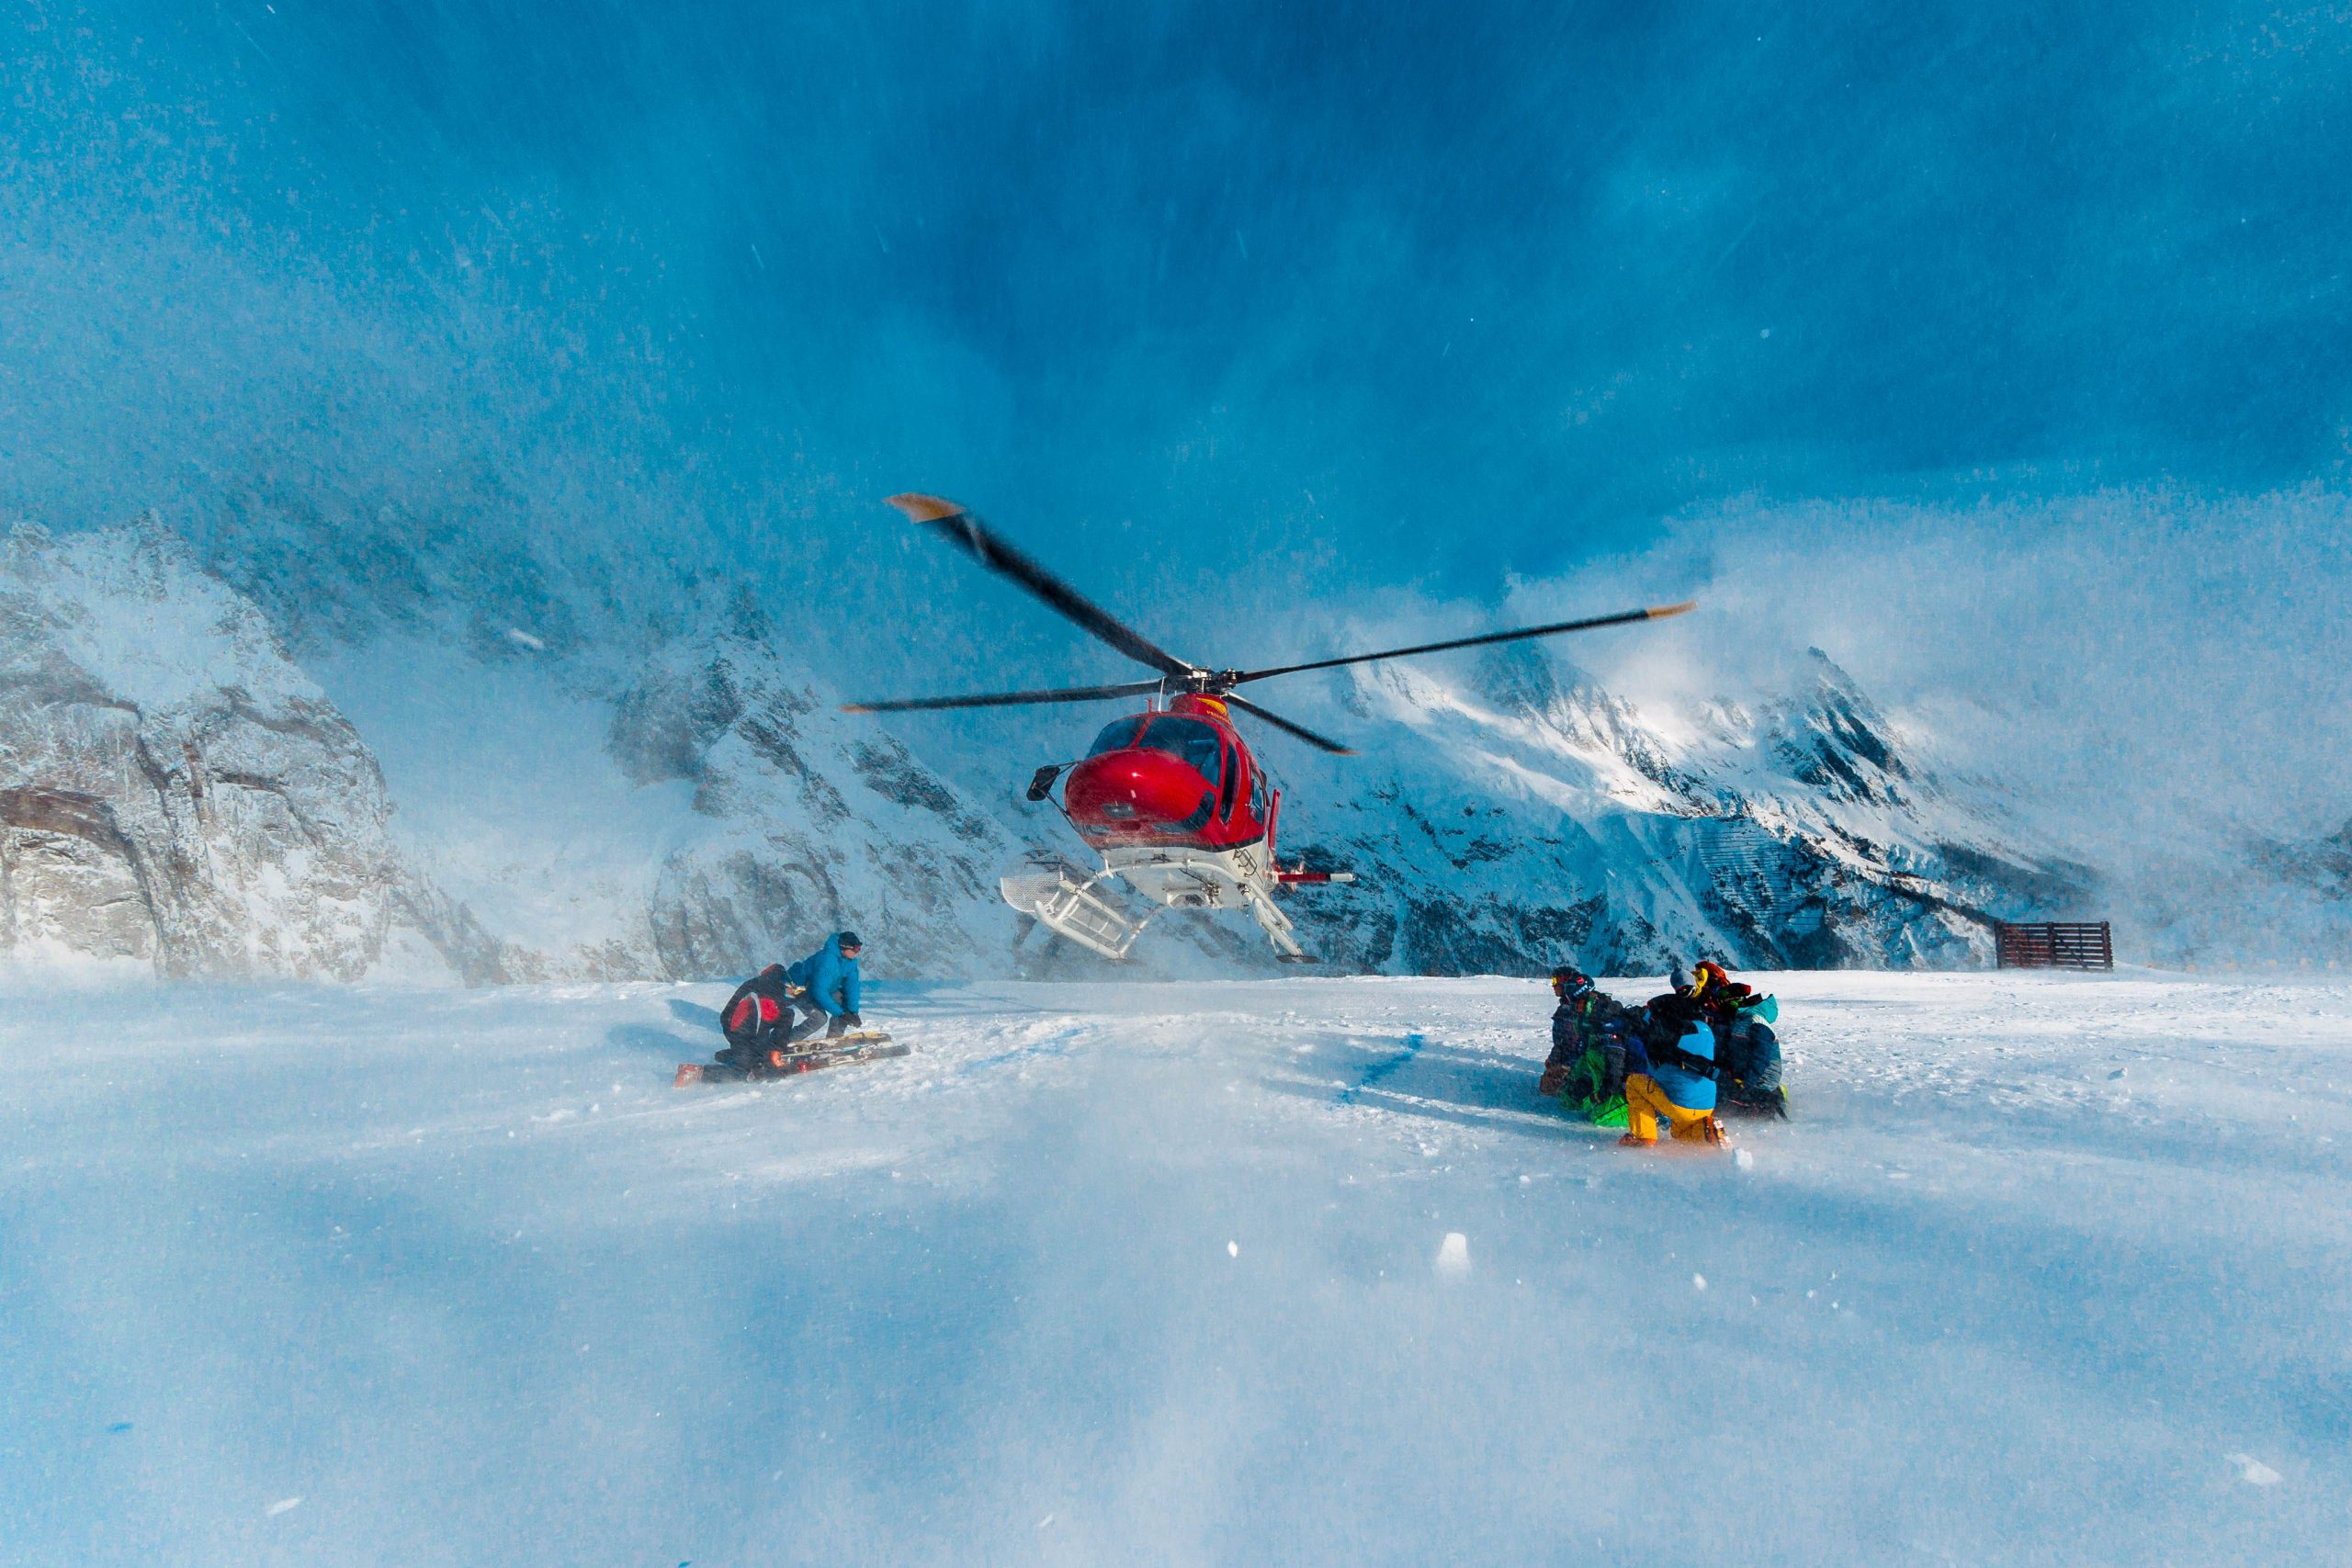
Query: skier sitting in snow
{"points": [[1748, 1077], [828, 980], [757, 1018], [1748, 1053], [1575, 993], [1675, 1082]]}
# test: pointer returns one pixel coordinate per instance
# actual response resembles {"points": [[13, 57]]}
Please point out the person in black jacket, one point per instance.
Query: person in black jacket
{"points": [[1579, 1024], [757, 1019]]}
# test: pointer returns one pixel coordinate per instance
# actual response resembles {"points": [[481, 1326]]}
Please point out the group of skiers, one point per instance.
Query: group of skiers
{"points": [[1705, 1044], [773, 1014]]}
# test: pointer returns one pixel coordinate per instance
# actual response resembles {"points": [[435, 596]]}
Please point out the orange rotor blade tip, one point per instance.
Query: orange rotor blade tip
{"points": [[855, 707], [925, 508], [1660, 612]]}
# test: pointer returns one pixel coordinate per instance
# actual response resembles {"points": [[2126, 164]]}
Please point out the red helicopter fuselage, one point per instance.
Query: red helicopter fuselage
{"points": [[1178, 777]]}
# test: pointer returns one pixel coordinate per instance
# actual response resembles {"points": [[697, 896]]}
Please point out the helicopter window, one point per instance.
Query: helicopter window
{"points": [[1117, 735], [1232, 788], [1258, 801], [1198, 745]]}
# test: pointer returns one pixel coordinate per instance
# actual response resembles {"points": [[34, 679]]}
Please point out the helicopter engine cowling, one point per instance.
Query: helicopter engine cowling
{"points": [[1121, 796]]}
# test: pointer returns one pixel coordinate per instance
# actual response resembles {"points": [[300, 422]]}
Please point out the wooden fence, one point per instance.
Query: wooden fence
{"points": [[2053, 944]]}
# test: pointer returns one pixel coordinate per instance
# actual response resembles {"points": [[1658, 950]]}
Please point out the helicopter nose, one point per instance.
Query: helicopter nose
{"points": [[1123, 789]]}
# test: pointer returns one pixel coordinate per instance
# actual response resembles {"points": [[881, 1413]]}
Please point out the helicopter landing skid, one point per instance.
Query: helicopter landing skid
{"points": [[1068, 906]]}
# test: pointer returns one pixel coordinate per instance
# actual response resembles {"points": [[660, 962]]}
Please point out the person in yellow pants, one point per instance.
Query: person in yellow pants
{"points": [[1646, 1105], [1675, 1084]]}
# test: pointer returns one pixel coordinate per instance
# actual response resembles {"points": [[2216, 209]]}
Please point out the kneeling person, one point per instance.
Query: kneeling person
{"points": [[829, 981], [757, 1018], [1678, 1086], [1587, 1067]]}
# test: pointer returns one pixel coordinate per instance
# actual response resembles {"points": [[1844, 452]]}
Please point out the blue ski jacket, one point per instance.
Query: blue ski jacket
{"points": [[831, 979], [1683, 1087]]}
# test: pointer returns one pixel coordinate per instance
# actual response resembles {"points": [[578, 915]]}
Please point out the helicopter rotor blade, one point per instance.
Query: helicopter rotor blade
{"points": [[1279, 722], [1006, 699], [1655, 612], [959, 527]]}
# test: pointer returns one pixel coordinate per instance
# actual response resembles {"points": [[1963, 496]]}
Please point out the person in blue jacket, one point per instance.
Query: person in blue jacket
{"points": [[1676, 1081], [827, 978]]}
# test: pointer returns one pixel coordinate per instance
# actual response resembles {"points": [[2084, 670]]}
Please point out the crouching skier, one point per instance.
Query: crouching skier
{"points": [[1575, 993], [1587, 1066], [1748, 1071], [828, 980], [757, 1020], [1748, 1053], [1675, 1081]]}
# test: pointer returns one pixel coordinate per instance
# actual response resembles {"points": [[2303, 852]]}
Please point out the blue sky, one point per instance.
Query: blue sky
{"points": [[1431, 294]]}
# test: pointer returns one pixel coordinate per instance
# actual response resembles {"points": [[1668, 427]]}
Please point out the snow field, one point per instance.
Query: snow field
{"points": [[2047, 1270]]}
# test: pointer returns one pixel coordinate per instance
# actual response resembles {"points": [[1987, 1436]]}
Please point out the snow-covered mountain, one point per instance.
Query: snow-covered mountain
{"points": [[491, 784], [179, 792], [1528, 812]]}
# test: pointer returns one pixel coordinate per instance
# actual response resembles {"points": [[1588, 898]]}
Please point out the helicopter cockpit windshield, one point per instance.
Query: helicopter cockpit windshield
{"points": [[1195, 744], [1117, 735]]}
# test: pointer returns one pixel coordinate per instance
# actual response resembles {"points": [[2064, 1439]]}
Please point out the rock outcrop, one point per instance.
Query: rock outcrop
{"points": [[173, 790]]}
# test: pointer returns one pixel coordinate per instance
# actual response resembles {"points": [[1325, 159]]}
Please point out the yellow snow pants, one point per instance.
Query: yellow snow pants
{"points": [[1645, 1104]]}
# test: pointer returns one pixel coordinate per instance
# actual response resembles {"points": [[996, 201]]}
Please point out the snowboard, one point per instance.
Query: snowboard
{"points": [[840, 1050]]}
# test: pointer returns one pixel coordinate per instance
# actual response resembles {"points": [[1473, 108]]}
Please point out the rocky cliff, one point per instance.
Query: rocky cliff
{"points": [[173, 790]]}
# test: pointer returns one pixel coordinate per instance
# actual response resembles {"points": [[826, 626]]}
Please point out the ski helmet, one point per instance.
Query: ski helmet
{"points": [[847, 942]]}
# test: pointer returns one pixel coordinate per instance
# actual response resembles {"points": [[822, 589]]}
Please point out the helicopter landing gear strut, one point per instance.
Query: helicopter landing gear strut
{"points": [[1068, 906], [1064, 901], [1277, 925]]}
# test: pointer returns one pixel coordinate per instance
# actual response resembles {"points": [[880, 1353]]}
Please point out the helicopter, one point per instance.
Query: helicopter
{"points": [[1172, 799]]}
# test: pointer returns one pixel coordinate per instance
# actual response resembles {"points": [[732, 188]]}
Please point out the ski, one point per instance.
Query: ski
{"points": [[842, 1050]]}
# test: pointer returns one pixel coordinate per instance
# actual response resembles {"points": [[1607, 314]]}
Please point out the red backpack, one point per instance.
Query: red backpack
{"points": [[752, 1013]]}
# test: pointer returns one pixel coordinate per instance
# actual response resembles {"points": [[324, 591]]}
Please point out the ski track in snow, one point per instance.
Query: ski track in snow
{"points": [[2046, 1269]]}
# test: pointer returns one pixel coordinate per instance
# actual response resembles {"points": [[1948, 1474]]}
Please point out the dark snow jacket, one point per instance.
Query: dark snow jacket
{"points": [[1577, 1023], [1751, 1063], [1563, 1035], [1668, 1018], [760, 1011]]}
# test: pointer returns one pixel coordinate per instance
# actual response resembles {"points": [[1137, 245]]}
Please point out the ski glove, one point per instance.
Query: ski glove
{"points": [[845, 1022]]}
